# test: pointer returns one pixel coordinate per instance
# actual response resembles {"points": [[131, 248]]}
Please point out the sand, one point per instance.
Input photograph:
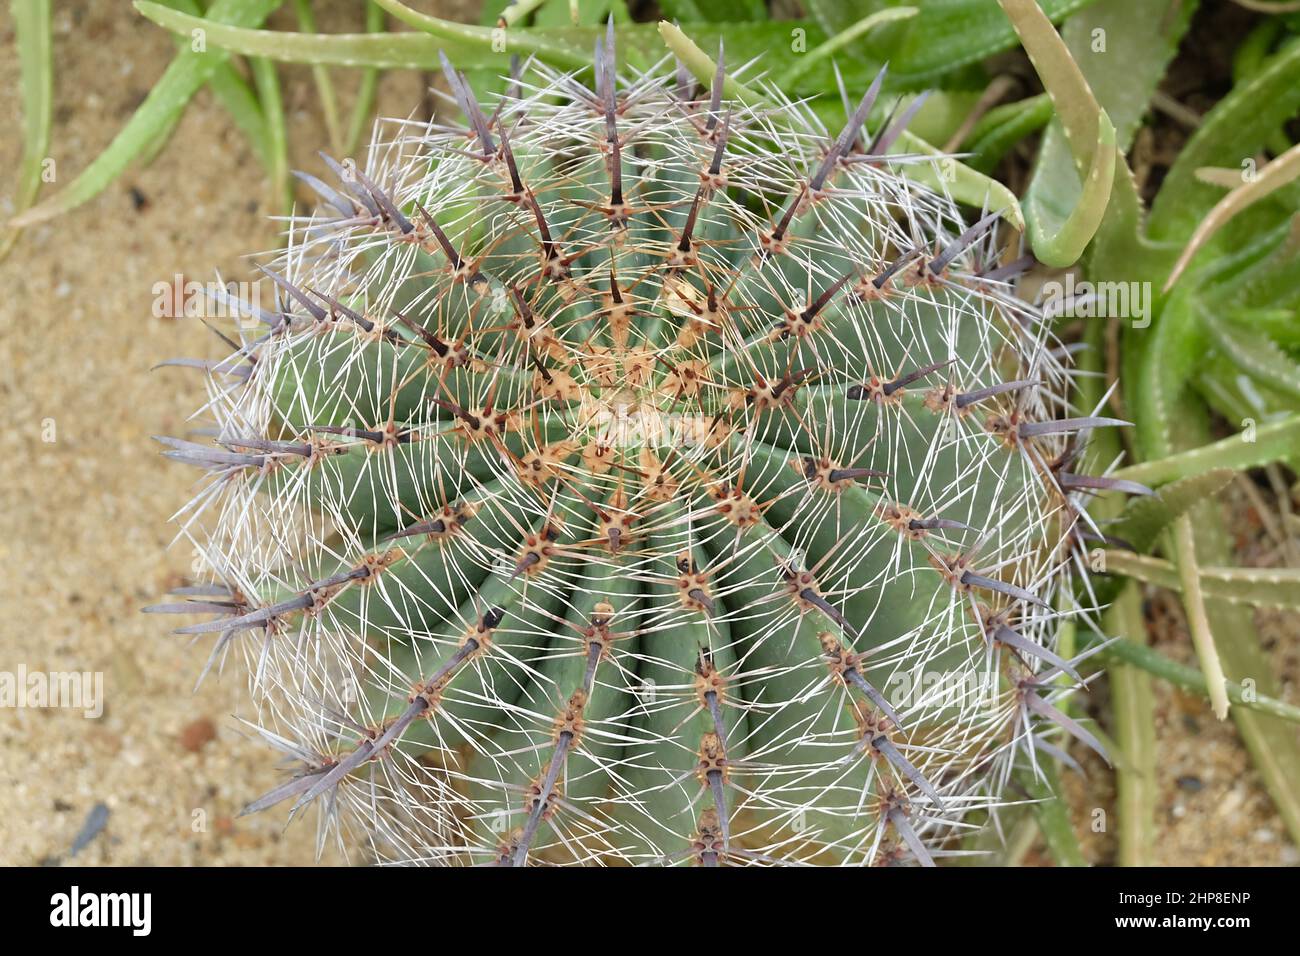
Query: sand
{"points": [[84, 530]]}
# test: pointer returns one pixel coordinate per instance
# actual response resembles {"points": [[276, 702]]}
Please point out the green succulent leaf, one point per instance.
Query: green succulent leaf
{"points": [[35, 57], [1058, 237], [1187, 566], [521, 41], [1062, 243], [1255, 354], [1143, 36], [1189, 678], [1133, 720], [183, 77], [1259, 286], [277, 137], [1003, 127], [1278, 325], [472, 47], [236, 95], [381, 50], [1052, 814], [843, 38], [1229, 135], [1281, 171], [1272, 744], [1236, 398], [1256, 446], [1258, 587], [1145, 517], [324, 83], [950, 34]]}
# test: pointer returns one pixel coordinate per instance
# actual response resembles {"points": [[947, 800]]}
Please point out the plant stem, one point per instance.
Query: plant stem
{"points": [[268, 89], [1189, 678], [321, 75], [369, 85], [1133, 713]]}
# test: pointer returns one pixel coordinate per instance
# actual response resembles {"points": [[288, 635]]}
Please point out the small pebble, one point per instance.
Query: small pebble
{"points": [[197, 733], [95, 822], [1191, 784]]}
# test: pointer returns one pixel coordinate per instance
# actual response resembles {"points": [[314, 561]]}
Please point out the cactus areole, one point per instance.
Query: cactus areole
{"points": [[636, 475]]}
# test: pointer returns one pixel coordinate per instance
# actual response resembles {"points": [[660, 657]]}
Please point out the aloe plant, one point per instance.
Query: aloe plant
{"points": [[1218, 338]]}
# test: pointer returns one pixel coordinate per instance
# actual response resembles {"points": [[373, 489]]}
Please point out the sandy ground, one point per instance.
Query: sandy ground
{"points": [[83, 529], [84, 533]]}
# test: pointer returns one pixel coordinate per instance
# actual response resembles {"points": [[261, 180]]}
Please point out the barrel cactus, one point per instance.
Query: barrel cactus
{"points": [[641, 475]]}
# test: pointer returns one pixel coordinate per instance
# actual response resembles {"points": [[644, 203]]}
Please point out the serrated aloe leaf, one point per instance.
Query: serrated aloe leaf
{"points": [[1198, 621], [35, 56], [1260, 285], [1168, 410], [1271, 441], [1062, 243], [1237, 398], [234, 93], [1278, 325], [1281, 171], [703, 66], [1123, 48], [1057, 239], [1255, 354], [1144, 36], [1271, 743], [1258, 587], [1229, 134], [1145, 517], [963, 183]]}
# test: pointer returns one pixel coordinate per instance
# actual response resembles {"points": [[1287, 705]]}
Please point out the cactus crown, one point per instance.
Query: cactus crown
{"points": [[641, 476]]}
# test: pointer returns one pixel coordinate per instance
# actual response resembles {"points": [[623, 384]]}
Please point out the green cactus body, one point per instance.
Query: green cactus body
{"points": [[615, 478]]}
